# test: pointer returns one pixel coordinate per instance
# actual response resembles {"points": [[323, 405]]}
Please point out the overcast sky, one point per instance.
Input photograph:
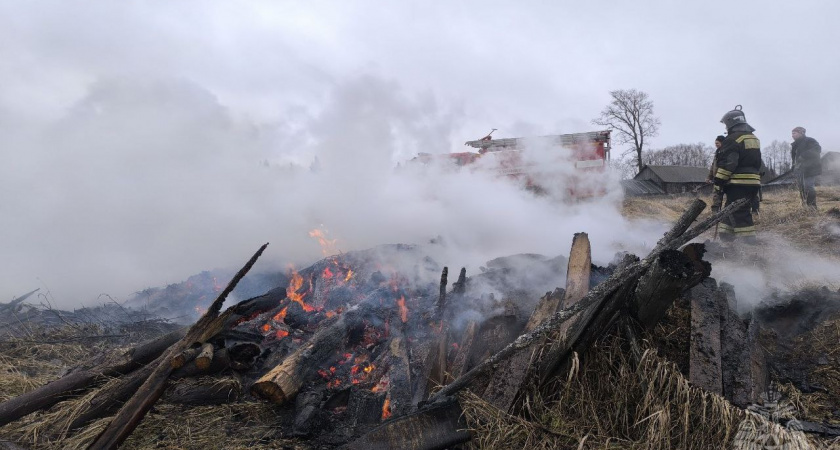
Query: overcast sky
{"points": [[134, 135]]}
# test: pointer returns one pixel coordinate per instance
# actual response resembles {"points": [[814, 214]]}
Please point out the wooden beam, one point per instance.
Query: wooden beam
{"points": [[147, 395], [705, 350]]}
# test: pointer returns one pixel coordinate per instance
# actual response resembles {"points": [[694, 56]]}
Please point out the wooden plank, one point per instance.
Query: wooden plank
{"points": [[660, 286], [705, 352], [578, 274], [578, 270], [510, 377], [461, 364]]}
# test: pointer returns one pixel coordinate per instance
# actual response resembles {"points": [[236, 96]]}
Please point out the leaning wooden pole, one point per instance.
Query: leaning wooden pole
{"points": [[130, 415], [674, 238]]}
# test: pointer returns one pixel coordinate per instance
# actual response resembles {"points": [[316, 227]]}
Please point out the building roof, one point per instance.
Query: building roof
{"points": [[562, 139], [679, 174], [786, 178], [641, 187]]}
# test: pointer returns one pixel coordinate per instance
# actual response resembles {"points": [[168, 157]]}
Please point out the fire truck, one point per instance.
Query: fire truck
{"points": [[572, 165]]}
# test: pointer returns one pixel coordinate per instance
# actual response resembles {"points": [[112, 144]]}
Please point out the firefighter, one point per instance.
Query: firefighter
{"points": [[737, 175]]}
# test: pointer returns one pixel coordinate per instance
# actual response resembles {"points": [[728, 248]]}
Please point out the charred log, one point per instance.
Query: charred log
{"points": [[365, 407], [460, 287], [433, 363], [436, 426], [221, 361], [205, 356], [705, 353], [665, 280], [284, 381], [184, 357], [204, 391], [511, 374], [399, 377], [461, 362], [430, 372], [702, 269], [441, 302], [307, 411], [243, 355], [492, 336]]}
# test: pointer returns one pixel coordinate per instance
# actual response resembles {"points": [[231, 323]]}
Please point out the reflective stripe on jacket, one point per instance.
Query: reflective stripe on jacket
{"points": [[740, 160]]}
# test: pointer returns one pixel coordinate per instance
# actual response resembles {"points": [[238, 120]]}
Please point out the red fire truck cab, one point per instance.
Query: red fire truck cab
{"points": [[576, 164]]}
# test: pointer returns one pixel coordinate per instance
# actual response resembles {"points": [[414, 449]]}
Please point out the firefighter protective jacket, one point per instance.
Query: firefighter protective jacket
{"points": [[739, 162]]}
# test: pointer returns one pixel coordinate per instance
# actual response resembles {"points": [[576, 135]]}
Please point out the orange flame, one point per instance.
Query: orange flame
{"points": [[349, 275], [279, 317], [386, 408], [266, 328], [327, 273], [327, 245], [282, 333], [403, 309], [292, 291]]}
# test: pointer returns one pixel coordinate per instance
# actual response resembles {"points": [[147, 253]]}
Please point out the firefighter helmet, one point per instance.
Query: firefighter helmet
{"points": [[734, 117]]}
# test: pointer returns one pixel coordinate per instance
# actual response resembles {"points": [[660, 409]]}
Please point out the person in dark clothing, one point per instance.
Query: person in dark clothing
{"points": [[805, 154], [717, 194], [718, 142], [737, 175]]}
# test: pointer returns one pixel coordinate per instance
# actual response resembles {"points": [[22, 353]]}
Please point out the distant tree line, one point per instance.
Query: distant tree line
{"points": [[777, 157], [698, 155]]}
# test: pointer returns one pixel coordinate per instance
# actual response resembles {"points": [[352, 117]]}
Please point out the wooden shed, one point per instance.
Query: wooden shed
{"points": [[674, 179]]}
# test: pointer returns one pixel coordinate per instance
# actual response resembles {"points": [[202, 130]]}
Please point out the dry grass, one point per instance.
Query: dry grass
{"points": [[820, 347], [781, 215], [612, 402], [30, 362], [242, 425]]}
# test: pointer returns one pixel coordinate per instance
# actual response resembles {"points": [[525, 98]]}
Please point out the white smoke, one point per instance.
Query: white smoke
{"points": [[144, 182], [778, 267]]}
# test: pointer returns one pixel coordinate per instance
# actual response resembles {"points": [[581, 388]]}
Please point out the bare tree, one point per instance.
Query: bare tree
{"points": [[777, 156], [630, 115], [625, 169]]}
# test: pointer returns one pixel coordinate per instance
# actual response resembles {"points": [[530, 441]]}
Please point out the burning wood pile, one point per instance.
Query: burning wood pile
{"points": [[367, 353]]}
